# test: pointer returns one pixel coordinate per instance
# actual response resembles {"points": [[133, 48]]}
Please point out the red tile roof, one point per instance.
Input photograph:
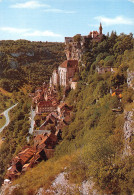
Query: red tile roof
{"points": [[26, 154], [45, 104], [39, 137], [45, 138], [51, 137]]}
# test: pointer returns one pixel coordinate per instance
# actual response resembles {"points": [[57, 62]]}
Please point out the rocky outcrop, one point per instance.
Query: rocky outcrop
{"points": [[129, 118], [8, 188], [13, 64], [18, 54], [130, 79], [128, 131], [74, 50], [30, 54], [62, 186]]}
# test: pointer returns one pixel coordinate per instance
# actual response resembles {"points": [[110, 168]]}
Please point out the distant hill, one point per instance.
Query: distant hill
{"points": [[28, 62]]}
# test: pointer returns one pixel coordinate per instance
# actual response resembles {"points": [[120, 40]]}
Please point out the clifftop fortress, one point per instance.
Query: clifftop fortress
{"points": [[76, 45], [65, 75]]}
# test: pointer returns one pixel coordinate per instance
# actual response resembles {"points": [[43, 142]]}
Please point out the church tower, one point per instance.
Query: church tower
{"points": [[100, 29]]}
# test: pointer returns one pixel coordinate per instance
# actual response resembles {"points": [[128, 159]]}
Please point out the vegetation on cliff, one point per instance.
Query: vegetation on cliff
{"points": [[24, 62], [24, 66], [94, 142], [16, 132]]}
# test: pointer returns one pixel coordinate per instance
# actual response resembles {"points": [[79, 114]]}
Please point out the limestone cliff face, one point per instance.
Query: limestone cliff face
{"points": [[128, 131], [130, 79], [129, 118], [74, 50], [13, 64], [18, 54], [75, 46]]}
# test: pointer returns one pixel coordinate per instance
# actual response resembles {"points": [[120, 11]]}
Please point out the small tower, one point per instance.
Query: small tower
{"points": [[100, 29]]}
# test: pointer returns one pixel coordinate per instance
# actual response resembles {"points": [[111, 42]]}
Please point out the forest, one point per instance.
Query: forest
{"points": [[24, 66], [28, 63], [92, 146], [96, 132]]}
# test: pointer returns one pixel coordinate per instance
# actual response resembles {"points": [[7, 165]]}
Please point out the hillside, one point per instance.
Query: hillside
{"points": [[95, 146], [24, 62], [24, 65]]}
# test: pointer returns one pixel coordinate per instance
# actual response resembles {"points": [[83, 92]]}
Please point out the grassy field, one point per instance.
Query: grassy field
{"points": [[2, 121], [42, 175]]}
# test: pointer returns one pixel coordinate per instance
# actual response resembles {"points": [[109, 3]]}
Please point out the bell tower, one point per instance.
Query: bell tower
{"points": [[100, 29]]}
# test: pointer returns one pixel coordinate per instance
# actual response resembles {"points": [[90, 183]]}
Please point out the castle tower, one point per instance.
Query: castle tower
{"points": [[100, 29]]}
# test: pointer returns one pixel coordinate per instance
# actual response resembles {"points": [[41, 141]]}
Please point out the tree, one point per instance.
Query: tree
{"points": [[77, 38]]}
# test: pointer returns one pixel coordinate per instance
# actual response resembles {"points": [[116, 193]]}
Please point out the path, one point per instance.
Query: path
{"points": [[5, 113]]}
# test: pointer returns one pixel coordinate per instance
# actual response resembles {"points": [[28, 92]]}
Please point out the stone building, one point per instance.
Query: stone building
{"points": [[65, 73], [75, 46], [45, 107], [103, 70], [55, 77]]}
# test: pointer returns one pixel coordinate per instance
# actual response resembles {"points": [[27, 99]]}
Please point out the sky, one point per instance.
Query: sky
{"points": [[52, 20]]}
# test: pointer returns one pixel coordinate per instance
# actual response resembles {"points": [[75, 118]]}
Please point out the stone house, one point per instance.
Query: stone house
{"points": [[62, 108], [65, 73], [103, 70], [43, 149], [45, 107], [38, 139], [51, 119], [19, 161], [49, 142]]}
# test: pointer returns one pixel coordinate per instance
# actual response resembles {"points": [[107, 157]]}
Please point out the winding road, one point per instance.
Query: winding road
{"points": [[5, 113]]}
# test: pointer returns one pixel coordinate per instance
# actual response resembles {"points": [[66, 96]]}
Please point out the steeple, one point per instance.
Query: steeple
{"points": [[100, 29]]}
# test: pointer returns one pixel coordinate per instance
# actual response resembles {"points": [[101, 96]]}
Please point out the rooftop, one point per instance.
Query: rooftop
{"points": [[69, 63], [45, 104]]}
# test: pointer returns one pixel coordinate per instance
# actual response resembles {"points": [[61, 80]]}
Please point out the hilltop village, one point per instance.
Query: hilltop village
{"points": [[51, 116], [72, 125], [52, 113]]}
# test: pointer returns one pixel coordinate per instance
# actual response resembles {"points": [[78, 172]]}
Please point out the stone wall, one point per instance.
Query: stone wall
{"points": [[130, 79], [128, 131], [129, 118]]}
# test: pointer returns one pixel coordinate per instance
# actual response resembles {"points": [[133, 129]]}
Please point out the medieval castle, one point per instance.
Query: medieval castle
{"points": [[74, 48]]}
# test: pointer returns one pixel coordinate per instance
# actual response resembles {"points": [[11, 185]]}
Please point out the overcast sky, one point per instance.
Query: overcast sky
{"points": [[52, 20]]}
